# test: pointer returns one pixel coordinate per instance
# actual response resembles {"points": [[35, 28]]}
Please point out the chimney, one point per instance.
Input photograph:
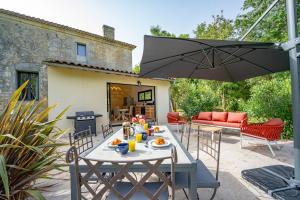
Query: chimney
{"points": [[108, 32]]}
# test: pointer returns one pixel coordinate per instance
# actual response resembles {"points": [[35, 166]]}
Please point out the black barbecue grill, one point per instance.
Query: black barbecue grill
{"points": [[85, 119]]}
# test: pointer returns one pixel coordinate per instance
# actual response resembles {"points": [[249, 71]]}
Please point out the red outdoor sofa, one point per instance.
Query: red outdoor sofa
{"points": [[224, 119]]}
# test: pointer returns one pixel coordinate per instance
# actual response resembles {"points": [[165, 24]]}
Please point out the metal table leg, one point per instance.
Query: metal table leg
{"points": [[73, 182], [192, 181]]}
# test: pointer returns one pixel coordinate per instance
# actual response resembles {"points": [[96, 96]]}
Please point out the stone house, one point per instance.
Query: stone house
{"points": [[73, 67]]}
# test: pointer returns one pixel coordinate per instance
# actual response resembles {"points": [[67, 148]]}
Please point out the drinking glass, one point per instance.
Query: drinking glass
{"points": [[146, 126], [139, 137], [131, 145]]}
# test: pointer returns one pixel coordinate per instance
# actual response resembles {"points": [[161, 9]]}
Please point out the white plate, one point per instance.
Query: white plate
{"points": [[152, 143], [112, 145]]}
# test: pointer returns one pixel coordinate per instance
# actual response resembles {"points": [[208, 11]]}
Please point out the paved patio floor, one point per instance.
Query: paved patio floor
{"points": [[233, 161]]}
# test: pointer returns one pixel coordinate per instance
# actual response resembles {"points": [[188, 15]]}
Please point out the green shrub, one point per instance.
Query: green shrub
{"points": [[193, 100], [271, 99]]}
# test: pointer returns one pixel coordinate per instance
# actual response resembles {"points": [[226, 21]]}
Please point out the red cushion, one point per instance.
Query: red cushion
{"points": [[227, 124], [219, 116], [274, 122], [217, 123], [202, 121], [174, 114], [236, 117], [204, 115]]}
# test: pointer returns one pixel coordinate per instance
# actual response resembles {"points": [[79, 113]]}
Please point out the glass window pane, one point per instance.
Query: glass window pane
{"points": [[32, 89], [81, 49]]}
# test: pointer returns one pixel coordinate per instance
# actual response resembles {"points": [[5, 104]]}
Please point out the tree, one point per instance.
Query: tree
{"points": [[136, 69], [220, 28], [270, 99], [272, 28], [157, 31]]}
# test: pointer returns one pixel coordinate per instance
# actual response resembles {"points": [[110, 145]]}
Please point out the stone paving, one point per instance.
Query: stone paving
{"points": [[233, 161]]}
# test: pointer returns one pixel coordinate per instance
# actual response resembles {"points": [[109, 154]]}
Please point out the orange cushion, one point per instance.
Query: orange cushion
{"points": [[236, 117], [274, 122], [204, 115], [219, 116]]}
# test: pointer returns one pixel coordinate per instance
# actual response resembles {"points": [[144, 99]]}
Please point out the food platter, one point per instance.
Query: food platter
{"points": [[153, 143]]}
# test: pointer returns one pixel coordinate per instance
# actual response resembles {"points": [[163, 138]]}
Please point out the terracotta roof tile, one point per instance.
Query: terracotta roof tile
{"points": [[88, 66]]}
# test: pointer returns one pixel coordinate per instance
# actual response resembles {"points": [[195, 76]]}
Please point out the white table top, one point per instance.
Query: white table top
{"points": [[103, 152]]}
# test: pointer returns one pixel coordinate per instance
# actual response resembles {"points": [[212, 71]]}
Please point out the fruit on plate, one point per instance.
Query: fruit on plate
{"points": [[159, 141], [156, 129], [116, 141]]}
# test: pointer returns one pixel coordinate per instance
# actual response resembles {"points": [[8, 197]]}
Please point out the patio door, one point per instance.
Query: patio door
{"points": [[127, 100]]}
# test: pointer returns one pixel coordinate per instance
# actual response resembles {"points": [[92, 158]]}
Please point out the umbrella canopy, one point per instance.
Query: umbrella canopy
{"points": [[221, 60]]}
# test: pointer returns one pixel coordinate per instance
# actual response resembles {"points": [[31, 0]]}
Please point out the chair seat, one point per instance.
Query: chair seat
{"points": [[124, 187], [204, 178]]}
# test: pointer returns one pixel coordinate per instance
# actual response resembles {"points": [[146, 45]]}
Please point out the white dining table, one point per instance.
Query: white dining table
{"points": [[185, 162]]}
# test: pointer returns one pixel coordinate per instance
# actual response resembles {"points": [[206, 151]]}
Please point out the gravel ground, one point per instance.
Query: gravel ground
{"points": [[233, 161]]}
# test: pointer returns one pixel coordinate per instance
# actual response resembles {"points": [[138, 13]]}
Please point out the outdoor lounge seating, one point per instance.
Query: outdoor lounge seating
{"points": [[270, 132], [115, 188], [175, 119], [208, 143], [224, 119]]}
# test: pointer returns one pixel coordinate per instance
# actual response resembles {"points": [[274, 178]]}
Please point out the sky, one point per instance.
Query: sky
{"points": [[131, 19]]}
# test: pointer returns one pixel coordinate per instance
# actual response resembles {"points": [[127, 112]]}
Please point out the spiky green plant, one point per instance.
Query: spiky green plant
{"points": [[28, 147]]}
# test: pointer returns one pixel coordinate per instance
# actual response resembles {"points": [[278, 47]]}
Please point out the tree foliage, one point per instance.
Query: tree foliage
{"points": [[271, 99], [221, 28], [136, 69]]}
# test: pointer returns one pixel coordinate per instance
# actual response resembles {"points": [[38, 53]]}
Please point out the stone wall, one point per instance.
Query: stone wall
{"points": [[25, 44]]}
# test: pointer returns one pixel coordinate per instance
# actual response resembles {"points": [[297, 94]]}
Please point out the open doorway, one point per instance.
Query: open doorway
{"points": [[126, 101]]}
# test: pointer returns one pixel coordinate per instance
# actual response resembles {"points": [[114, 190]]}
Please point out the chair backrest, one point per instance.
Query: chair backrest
{"points": [[82, 141], [209, 142], [172, 117], [107, 130], [121, 171]]}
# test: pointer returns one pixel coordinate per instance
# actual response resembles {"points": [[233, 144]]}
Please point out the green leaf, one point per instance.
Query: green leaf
{"points": [[36, 194], [4, 177]]}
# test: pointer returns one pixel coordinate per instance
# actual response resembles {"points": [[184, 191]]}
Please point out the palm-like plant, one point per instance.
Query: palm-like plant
{"points": [[28, 147]]}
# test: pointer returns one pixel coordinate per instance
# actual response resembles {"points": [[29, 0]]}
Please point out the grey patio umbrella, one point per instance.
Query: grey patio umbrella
{"points": [[221, 60]]}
